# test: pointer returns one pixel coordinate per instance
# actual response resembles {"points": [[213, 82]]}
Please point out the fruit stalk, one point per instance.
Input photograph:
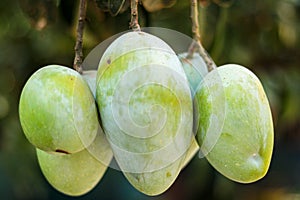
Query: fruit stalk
{"points": [[134, 23], [77, 65], [197, 45]]}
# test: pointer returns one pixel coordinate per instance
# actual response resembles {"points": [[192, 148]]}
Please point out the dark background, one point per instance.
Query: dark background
{"points": [[262, 35]]}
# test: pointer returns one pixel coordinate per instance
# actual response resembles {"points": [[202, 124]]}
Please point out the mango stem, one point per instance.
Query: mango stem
{"points": [[77, 65], [196, 44], [134, 23]]}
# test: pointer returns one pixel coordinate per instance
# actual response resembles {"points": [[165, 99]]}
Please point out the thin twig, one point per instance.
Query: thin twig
{"points": [[134, 23], [77, 65], [197, 45], [195, 21]]}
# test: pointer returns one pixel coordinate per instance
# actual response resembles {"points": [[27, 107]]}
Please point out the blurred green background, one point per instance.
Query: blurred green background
{"points": [[262, 35]]}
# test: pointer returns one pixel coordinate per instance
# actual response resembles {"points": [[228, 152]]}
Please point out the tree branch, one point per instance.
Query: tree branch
{"points": [[77, 65], [134, 23], [197, 45]]}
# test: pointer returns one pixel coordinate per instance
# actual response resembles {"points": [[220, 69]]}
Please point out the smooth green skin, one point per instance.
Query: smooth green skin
{"points": [[195, 70], [244, 149], [57, 110], [145, 162], [78, 173], [90, 77], [100, 148], [157, 182]]}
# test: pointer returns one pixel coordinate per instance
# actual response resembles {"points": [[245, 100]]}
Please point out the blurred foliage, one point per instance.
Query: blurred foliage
{"points": [[262, 35]]}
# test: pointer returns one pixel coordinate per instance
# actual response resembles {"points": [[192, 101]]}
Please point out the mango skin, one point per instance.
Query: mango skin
{"points": [[57, 110], [90, 77], [76, 174], [156, 182], [195, 70], [100, 147], [243, 151], [144, 147]]}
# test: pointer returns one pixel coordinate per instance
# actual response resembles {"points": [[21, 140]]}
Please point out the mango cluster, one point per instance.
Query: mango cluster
{"points": [[150, 109]]}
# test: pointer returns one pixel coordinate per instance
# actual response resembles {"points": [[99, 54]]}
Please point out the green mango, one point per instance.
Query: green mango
{"points": [[243, 147], [146, 109], [78, 173], [57, 110], [195, 70], [90, 77]]}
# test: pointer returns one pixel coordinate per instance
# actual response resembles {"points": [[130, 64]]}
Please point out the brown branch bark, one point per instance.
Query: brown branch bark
{"points": [[197, 45], [77, 65], [134, 23]]}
